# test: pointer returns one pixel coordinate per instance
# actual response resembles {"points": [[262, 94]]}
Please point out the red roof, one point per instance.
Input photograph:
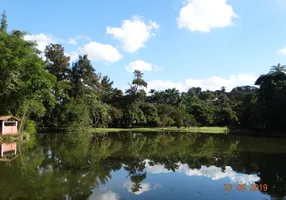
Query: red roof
{"points": [[7, 117]]}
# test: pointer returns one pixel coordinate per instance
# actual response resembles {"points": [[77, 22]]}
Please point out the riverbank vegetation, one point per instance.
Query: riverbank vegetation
{"points": [[45, 89], [15, 137]]}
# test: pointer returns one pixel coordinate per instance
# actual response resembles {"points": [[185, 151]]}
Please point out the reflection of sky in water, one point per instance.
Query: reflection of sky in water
{"points": [[105, 195], [184, 183], [215, 173], [144, 187]]}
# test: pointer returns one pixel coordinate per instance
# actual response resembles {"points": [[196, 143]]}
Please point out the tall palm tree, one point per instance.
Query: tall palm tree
{"points": [[277, 69]]}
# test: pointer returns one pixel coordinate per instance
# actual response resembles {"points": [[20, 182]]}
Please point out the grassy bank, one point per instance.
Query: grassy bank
{"points": [[14, 137], [218, 130]]}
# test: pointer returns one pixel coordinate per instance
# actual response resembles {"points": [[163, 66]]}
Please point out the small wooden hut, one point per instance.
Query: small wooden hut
{"points": [[8, 125]]}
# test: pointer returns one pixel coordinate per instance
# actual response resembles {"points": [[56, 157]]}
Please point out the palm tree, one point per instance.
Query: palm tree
{"points": [[182, 99], [223, 89], [172, 96], [277, 69]]}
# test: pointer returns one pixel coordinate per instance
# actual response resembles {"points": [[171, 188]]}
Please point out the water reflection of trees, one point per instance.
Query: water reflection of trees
{"points": [[53, 167]]}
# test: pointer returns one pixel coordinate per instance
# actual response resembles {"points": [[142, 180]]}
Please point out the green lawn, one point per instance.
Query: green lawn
{"points": [[221, 130]]}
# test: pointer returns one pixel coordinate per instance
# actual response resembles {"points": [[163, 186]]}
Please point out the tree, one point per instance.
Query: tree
{"points": [[225, 116], [99, 111], [156, 97], [277, 69], [135, 95], [133, 115], [271, 98], [77, 114], [178, 117], [138, 80], [165, 112], [251, 113], [83, 77], [116, 117], [194, 91], [108, 94], [57, 61], [172, 96], [203, 113], [23, 78], [207, 95], [136, 91], [223, 89], [189, 120], [182, 100], [151, 114], [4, 25]]}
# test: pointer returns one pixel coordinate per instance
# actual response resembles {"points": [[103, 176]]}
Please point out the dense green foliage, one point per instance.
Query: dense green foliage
{"points": [[57, 93]]}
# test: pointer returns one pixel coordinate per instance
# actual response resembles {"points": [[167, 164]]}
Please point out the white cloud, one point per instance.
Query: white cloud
{"points": [[74, 40], [282, 51], [42, 40], [203, 15], [95, 51], [142, 66], [73, 56], [213, 172], [100, 52], [134, 33], [144, 187], [213, 83], [108, 195]]}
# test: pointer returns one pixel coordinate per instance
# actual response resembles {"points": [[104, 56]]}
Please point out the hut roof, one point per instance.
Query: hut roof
{"points": [[7, 117]]}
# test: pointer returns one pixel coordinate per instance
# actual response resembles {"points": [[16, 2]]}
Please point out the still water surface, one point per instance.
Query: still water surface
{"points": [[115, 166]]}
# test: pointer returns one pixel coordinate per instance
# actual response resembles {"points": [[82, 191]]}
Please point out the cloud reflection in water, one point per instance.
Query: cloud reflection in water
{"points": [[213, 172]]}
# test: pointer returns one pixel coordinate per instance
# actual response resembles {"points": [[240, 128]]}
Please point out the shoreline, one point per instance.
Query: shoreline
{"points": [[15, 137], [215, 130], [229, 131], [207, 130]]}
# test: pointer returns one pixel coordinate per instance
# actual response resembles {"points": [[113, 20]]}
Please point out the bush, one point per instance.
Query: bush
{"points": [[30, 126], [189, 120]]}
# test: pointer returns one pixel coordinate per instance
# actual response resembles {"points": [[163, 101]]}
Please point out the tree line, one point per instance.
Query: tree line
{"points": [[55, 92]]}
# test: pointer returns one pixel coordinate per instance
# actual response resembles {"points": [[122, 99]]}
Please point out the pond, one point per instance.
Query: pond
{"points": [[113, 166]]}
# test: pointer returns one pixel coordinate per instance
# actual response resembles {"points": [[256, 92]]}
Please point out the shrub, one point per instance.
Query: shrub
{"points": [[30, 126]]}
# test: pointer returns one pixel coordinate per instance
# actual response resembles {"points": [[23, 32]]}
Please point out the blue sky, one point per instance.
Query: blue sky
{"points": [[207, 43]]}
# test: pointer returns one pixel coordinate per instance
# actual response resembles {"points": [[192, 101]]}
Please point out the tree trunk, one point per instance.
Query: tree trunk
{"points": [[23, 118]]}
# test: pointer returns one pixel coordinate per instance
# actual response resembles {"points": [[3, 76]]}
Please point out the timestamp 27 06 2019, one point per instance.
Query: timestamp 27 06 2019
{"points": [[245, 188]]}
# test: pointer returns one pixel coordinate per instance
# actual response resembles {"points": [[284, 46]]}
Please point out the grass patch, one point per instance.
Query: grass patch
{"points": [[218, 130], [14, 137]]}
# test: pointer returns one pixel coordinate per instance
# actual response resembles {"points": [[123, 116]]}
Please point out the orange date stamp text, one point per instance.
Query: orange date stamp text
{"points": [[244, 187]]}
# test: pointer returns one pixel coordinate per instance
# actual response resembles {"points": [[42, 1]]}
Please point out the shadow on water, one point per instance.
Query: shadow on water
{"points": [[238, 131], [82, 166]]}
